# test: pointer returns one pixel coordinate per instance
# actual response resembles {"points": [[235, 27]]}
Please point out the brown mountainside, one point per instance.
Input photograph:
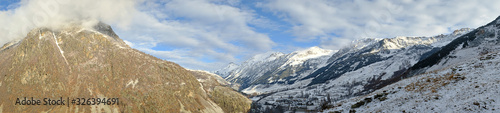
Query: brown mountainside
{"points": [[78, 62]]}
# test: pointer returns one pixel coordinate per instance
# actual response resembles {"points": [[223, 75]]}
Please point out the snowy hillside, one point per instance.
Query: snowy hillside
{"points": [[399, 52], [460, 77], [445, 73], [468, 86], [359, 69], [273, 70]]}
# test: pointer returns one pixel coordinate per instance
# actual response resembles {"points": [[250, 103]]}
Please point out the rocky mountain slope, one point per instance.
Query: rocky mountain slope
{"points": [[80, 62], [460, 77]]}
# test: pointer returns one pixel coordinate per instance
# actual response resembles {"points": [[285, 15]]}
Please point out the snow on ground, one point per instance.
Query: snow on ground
{"points": [[60, 50], [470, 86]]}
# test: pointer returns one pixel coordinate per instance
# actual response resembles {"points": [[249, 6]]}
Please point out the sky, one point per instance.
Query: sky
{"points": [[209, 34]]}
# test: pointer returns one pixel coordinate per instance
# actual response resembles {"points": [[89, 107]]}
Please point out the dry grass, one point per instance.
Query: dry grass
{"points": [[433, 83]]}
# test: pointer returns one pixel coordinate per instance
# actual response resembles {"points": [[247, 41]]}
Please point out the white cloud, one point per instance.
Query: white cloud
{"points": [[30, 14], [195, 29], [183, 57], [337, 22]]}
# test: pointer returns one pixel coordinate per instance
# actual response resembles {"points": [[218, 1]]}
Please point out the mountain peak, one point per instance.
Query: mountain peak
{"points": [[232, 64], [105, 29], [312, 52], [314, 49]]}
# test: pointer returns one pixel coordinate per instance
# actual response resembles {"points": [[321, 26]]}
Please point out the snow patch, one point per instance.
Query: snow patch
{"points": [[60, 50], [132, 82]]}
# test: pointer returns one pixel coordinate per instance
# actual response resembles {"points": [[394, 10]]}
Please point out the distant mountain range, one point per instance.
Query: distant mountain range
{"points": [[456, 72], [370, 58], [315, 79]]}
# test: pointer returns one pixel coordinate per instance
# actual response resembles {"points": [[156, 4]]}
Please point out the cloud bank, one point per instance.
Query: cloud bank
{"points": [[337, 22], [196, 33], [30, 14]]}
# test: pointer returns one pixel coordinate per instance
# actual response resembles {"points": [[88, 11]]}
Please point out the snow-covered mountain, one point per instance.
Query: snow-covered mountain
{"points": [[224, 72], [374, 58], [363, 67], [460, 77], [275, 69], [388, 55]]}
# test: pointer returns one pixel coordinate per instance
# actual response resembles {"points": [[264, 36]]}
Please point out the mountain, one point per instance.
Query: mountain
{"points": [[360, 68], [400, 52], [81, 62], [460, 77], [273, 70]]}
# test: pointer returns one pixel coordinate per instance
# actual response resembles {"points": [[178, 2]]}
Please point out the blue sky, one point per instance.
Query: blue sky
{"points": [[4, 4], [208, 34]]}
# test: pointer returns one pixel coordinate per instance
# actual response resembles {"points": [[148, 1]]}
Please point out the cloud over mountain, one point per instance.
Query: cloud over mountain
{"points": [[336, 22], [213, 30]]}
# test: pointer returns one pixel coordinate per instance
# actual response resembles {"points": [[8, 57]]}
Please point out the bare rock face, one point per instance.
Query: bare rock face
{"points": [[78, 62]]}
